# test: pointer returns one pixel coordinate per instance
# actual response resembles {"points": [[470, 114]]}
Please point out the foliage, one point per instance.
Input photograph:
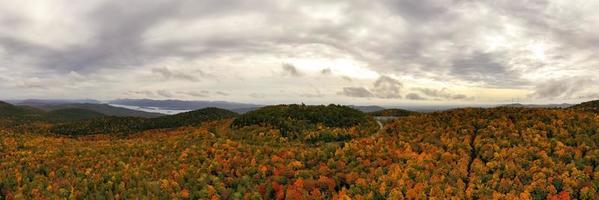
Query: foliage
{"points": [[394, 112], [21, 114], [590, 106], [126, 125], [297, 118], [105, 109], [71, 115], [500, 153], [510, 153]]}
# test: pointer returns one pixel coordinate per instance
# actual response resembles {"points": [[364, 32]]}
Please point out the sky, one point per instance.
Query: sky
{"points": [[387, 52]]}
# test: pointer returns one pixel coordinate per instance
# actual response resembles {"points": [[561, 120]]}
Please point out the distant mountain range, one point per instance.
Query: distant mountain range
{"points": [[70, 111], [21, 114], [392, 112], [194, 105], [125, 125], [90, 105], [101, 108], [181, 104], [517, 105], [43, 102], [365, 109], [590, 106], [154, 108]]}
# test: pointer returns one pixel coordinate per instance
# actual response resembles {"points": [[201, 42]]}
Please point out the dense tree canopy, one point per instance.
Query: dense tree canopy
{"points": [[126, 125], [72, 115], [500, 153], [590, 106], [310, 123], [298, 117], [394, 112]]}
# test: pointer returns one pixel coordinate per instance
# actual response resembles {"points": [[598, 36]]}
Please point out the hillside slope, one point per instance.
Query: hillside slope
{"points": [[591, 106], [181, 104], [71, 115], [394, 112], [19, 112], [503, 153], [295, 118], [126, 125], [26, 115], [101, 108]]}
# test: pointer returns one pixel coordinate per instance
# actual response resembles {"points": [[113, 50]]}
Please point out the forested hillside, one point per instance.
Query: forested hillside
{"points": [[500, 153], [589, 106], [127, 125], [310, 123], [9, 111], [72, 115], [394, 112], [27, 116], [105, 109]]}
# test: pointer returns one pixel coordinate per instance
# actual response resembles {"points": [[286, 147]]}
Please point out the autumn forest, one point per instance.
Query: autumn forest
{"points": [[302, 152]]}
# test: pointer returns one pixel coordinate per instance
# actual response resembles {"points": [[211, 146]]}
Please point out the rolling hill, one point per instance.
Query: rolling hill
{"points": [[310, 123], [590, 106], [19, 115], [43, 102], [104, 109], [181, 105], [393, 112], [367, 109], [287, 116], [473, 153], [518, 105], [9, 111], [127, 125], [71, 115]]}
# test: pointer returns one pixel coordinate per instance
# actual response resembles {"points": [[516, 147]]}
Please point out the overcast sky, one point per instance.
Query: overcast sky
{"points": [[387, 52]]}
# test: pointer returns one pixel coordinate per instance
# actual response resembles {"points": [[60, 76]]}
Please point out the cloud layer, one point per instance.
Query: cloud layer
{"points": [[351, 51]]}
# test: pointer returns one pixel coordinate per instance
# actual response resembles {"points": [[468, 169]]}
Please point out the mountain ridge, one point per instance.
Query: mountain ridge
{"points": [[104, 109], [174, 104]]}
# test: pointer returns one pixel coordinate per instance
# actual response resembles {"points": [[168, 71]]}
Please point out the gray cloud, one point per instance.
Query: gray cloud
{"points": [[221, 93], [258, 95], [145, 93], [356, 92], [592, 95], [203, 93], [196, 93], [567, 88], [289, 69], [414, 96], [165, 93], [384, 87], [442, 94], [496, 44], [117, 40], [311, 95], [460, 97], [484, 67], [387, 88], [169, 74], [33, 82], [421, 11]]}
